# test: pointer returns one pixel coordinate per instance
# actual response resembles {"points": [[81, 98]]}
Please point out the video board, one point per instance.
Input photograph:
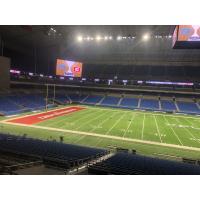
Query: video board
{"points": [[186, 37], [68, 68]]}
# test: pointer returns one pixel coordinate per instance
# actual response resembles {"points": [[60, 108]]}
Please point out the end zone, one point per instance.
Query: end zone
{"points": [[36, 118]]}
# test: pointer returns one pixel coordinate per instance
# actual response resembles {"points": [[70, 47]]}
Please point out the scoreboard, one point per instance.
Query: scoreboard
{"points": [[68, 68], [186, 37]]}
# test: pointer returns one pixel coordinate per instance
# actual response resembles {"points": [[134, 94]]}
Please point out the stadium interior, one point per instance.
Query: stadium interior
{"points": [[128, 104]]}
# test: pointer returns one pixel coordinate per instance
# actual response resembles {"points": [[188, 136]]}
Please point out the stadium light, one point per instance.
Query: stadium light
{"points": [[98, 38], [146, 37], [119, 37], [80, 38], [106, 38], [110, 38], [88, 38]]}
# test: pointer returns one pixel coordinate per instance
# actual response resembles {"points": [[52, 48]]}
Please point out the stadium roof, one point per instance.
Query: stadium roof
{"points": [[60, 41], [38, 35]]}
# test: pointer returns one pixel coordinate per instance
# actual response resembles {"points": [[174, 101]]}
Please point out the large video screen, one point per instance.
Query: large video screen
{"points": [[189, 33], [68, 68]]}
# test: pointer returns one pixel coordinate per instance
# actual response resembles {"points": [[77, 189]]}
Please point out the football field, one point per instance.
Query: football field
{"points": [[102, 127]]}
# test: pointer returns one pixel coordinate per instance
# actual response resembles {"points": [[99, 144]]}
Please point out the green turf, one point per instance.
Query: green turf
{"points": [[170, 129], [156, 127]]}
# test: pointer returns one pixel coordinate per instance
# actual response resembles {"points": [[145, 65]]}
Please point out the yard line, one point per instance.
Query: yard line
{"points": [[143, 128], [115, 123], [79, 139], [173, 131], [112, 137], [104, 121], [150, 113], [91, 120], [133, 117], [58, 121], [189, 130], [158, 128], [88, 115]]}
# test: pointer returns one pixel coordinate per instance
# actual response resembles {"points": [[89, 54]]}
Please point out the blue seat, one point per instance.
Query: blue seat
{"points": [[188, 107], [110, 100], [168, 105], [129, 102], [50, 149], [93, 99], [125, 163], [77, 97], [149, 103]]}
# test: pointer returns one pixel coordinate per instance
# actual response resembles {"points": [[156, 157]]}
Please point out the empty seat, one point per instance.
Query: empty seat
{"points": [[168, 105], [110, 100], [149, 103]]}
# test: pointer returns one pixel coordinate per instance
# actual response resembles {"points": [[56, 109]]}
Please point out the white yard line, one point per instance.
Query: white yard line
{"points": [[133, 117], [107, 136], [88, 115], [79, 139], [61, 120], [173, 131], [101, 123], [157, 128], [103, 108], [142, 136], [146, 112], [190, 133], [90, 120], [115, 123]]}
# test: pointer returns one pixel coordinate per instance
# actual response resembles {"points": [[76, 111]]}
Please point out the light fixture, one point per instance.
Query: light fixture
{"points": [[98, 38], [146, 37], [80, 38], [119, 37]]}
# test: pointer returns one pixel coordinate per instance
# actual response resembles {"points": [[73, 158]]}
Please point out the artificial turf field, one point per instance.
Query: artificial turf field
{"points": [[150, 133]]}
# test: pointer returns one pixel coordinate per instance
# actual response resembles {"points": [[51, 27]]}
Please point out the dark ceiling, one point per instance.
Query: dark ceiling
{"points": [[37, 46], [38, 35]]}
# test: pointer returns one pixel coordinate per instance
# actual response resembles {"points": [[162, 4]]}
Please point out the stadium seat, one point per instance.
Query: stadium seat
{"points": [[92, 99], [49, 150], [188, 107], [76, 97], [9, 107], [149, 104], [129, 102], [126, 163], [110, 101], [168, 105]]}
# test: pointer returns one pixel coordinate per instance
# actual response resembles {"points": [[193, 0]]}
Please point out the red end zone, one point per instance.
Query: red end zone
{"points": [[33, 119]]}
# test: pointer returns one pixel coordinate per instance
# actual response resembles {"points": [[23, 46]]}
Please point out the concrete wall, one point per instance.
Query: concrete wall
{"points": [[4, 73]]}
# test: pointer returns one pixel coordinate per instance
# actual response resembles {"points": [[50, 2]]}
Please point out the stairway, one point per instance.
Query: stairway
{"points": [[159, 103], [84, 99], [177, 108], [119, 102], [198, 105], [101, 101], [69, 98], [139, 102]]}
